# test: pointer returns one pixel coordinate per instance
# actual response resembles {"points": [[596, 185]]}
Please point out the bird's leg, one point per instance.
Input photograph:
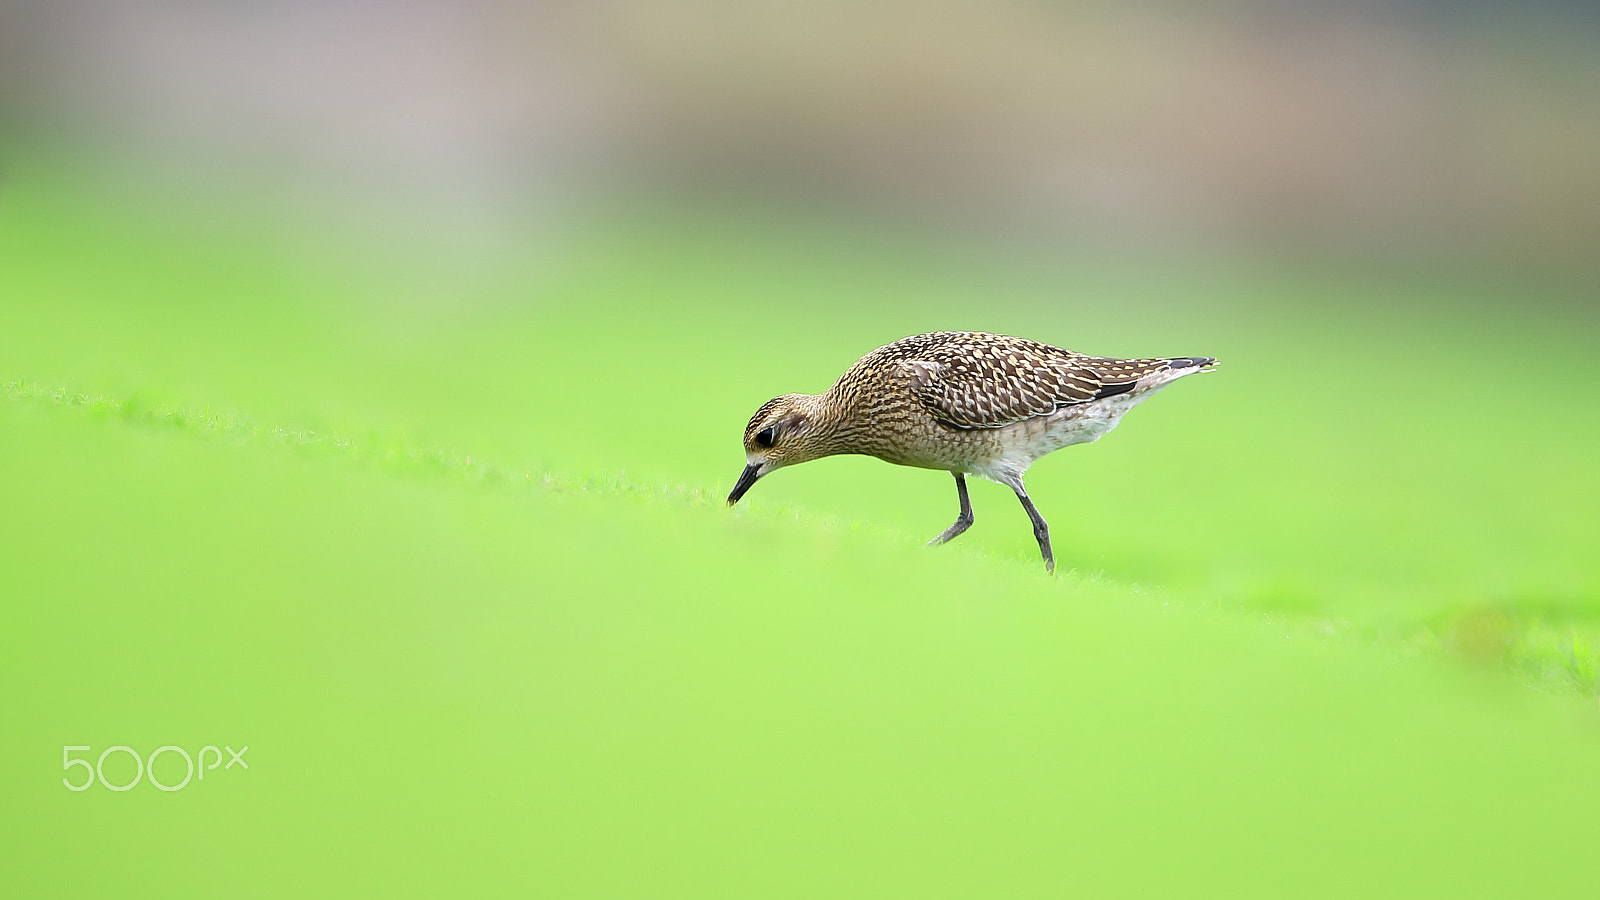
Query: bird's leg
{"points": [[1041, 529], [963, 521]]}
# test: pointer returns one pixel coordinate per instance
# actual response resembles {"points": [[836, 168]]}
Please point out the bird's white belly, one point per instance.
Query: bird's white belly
{"points": [[1020, 444]]}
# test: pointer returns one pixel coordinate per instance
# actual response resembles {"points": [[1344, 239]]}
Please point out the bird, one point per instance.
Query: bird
{"points": [[966, 402]]}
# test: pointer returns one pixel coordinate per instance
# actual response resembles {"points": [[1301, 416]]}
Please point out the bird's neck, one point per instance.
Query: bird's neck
{"points": [[828, 425]]}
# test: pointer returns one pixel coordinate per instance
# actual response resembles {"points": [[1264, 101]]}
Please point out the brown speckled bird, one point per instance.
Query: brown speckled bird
{"points": [[963, 401]]}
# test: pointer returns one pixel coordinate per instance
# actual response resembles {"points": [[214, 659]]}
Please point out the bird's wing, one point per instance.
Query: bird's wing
{"points": [[988, 386]]}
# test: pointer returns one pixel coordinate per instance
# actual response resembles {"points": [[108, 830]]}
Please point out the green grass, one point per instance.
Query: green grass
{"points": [[443, 543]]}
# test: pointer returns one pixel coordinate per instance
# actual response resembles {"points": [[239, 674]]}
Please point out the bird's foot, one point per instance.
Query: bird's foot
{"points": [[951, 533]]}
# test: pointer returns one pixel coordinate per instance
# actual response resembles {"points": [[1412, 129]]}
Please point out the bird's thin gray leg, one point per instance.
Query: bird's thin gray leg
{"points": [[963, 521], [1041, 529]]}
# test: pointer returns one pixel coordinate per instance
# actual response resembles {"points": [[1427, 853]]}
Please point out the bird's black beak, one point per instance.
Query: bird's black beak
{"points": [[746, 478]]}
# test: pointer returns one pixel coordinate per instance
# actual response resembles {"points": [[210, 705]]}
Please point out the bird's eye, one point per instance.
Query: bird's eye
{"points": [[765, 436]]}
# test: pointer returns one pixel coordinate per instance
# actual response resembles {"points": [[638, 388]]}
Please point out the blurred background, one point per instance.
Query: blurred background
{"points": [[1407, 130]]}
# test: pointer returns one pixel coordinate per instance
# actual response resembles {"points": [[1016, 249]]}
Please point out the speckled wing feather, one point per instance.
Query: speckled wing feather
{"points": [[972, 380]]}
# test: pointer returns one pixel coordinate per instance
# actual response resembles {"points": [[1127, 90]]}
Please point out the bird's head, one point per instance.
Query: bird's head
{"points": [[784, 431]]}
